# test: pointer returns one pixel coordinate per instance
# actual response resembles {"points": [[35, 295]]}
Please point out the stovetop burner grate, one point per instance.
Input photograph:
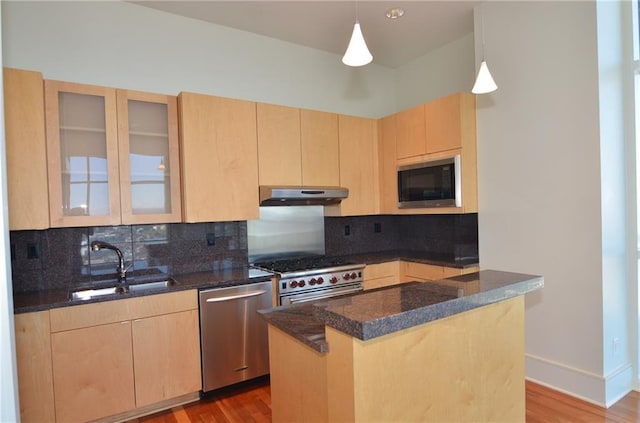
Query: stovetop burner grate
{"points": [[301, 264]]}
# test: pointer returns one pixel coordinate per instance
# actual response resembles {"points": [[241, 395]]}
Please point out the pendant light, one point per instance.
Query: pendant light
{"points": [[357, 53], [484, 81]]}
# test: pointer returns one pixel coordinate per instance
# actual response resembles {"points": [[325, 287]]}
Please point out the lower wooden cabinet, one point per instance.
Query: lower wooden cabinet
{"points": [[381, 274], [395, 272], [118, 358], [93, 372], [411, 271], [166, 351], [33, 352]]}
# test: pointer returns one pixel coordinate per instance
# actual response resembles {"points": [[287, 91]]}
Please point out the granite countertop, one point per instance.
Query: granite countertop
{"points": [[45, 300], [237, 275], [371, 314]]}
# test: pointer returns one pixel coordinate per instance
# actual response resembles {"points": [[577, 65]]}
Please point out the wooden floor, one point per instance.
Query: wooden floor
{"points": [[252, 403]]}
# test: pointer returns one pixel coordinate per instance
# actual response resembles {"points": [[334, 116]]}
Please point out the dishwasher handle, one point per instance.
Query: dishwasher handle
{"points": [[235, 297]]}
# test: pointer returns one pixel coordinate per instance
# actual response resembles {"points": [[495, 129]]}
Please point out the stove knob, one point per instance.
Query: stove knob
{"points": [[301, 283], [312, 281], [353, 276], [346, 276], [293, 284], [320, 280], [333, 280]]}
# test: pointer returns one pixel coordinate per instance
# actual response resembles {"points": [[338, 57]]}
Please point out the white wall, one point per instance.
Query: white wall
{"points": [[540, 192], [444, 71], [9, 409], [124, 45]]}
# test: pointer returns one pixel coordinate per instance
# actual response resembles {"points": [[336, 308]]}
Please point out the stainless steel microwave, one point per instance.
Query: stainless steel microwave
{"points": [[434, 183]]}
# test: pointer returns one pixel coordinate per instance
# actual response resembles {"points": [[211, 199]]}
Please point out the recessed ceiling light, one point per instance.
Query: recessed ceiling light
{"points": [[395, 13]]}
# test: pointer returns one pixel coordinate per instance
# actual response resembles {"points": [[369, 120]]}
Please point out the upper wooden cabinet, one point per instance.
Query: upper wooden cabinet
{"points": [[219, 153], [436, 126], [449, 129], [279, 147], [387, 165], [320, 148], [149, 157], [88, 178], [448, 121], [358, 166], [26, 150], [411, 138]]}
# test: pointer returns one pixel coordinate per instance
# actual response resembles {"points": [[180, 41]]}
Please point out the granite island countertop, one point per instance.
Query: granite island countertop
{"points": [[371, 314]]}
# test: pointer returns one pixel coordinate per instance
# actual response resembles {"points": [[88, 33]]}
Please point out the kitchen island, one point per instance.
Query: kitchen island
{"points": [[452, 350]]}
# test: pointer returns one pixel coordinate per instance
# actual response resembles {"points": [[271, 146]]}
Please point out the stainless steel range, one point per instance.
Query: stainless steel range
{"points": [[313, 278], [289, 241]]}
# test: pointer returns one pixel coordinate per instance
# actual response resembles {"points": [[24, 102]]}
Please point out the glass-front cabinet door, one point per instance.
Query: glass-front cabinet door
{"points": [[148, 144], [82, 153]]}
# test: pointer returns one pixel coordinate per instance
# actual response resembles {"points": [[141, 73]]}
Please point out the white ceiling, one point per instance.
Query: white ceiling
{"points": [[327, 25]]}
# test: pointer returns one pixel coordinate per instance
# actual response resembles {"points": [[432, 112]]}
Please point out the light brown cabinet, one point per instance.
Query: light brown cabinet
{"points": [[279, 147], [411, 137], [118, 357], [219, 154], [381, 274], [112, 156], [438, 129], [358, 167], [26, 150], [35, 380], [93, 372], [410, 271], [164, 367], [387, 165], [320, 148]]}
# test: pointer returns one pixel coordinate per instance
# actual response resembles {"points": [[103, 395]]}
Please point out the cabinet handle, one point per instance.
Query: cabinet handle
{"points": [[234, 297]]}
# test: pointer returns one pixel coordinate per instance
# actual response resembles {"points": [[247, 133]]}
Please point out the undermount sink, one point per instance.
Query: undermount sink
{"points": [[90, 293]]}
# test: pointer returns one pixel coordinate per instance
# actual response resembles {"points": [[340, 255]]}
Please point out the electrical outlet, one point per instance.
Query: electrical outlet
{"points": [[377, 227], [33, 251], [211, 239], [347, 230], [616, 345]]}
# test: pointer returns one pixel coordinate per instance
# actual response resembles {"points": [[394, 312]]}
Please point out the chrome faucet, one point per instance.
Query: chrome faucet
{"points": [[122, 271]]}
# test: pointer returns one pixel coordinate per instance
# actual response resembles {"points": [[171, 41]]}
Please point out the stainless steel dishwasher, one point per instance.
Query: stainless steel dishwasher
{"points": [[235, 345]]}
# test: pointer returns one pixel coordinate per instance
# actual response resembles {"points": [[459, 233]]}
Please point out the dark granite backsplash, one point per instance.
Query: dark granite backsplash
{"points": [[61, 258], [454, 235]]}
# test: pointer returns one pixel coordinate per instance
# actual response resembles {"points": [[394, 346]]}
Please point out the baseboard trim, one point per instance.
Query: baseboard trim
{"points": [[151, 408], [600, 390]]}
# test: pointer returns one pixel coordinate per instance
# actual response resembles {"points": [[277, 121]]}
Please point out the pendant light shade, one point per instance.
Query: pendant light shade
{"points": [[484, 81], [357, 53]]}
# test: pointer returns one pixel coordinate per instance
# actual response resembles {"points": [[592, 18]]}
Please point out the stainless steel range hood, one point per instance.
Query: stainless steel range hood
{"points": [[301, 196]]}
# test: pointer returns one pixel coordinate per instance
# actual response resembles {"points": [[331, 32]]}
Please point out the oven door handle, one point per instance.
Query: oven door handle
{"points": [[323, 296], [234, 297]]}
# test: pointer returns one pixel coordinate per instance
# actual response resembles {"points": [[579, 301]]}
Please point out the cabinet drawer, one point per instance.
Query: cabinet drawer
{"points": [[155, 305], [86, 315], [422, 271], [381, 270], [380, 282]]}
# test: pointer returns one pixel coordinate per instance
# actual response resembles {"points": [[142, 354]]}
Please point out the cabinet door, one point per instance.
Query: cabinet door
{"points": [[82, 152], [166, 352], [444, 124], [279, 155], [387, 163], [149, 158], [26, 150], [93, 372], [320, 151], [410, 132], [219, 154], [358, 165], [33, 353]]}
